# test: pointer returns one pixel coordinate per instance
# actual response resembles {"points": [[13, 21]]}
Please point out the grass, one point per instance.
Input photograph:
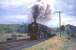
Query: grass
{"points": [[55, 43]]}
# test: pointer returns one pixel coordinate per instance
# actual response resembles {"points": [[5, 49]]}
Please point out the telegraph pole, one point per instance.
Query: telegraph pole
{"points": [[59, 14]]}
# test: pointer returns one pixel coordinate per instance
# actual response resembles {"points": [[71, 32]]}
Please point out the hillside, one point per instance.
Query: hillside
{"points": [[71, 28], [20, 28], [8, 28]]}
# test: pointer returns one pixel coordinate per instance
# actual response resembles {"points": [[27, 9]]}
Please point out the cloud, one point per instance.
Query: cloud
{"points": [[19, 11], [54, 22], [17, 8], [15, 19], [15, 3], [15, 11], [12, 7], [68, 7]]}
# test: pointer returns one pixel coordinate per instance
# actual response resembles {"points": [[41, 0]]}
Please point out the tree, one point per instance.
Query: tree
{"points": [[62, 28]]}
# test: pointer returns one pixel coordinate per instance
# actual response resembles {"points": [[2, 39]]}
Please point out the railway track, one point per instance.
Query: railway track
{"points": [[18, 45]]}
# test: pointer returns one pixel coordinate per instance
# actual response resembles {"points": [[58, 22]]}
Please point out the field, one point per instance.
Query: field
{"points": [[54, 43]]}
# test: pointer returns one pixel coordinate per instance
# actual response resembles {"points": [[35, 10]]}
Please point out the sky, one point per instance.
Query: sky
{"points": [[19, 11]]}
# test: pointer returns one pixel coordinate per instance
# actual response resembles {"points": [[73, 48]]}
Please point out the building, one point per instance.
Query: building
{"points": [[13, 36]]}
